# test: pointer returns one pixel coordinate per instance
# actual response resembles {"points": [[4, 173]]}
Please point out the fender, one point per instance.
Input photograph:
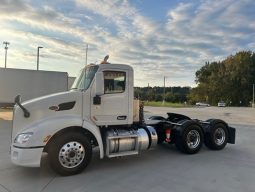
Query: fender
{"points": [[213, 122], [50, 126], [31, 152], [175, 117], [178, 129], [96, 132]]}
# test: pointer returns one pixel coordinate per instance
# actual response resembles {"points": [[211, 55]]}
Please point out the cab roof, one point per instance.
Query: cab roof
{"points": [[112, 66]]}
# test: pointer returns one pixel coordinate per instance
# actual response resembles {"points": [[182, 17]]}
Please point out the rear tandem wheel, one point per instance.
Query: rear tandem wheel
{"points": [[191, 139], [217, 137]]}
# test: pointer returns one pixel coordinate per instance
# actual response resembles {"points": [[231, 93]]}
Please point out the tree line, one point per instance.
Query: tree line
{"points": [[172, 94], [230, 80]]}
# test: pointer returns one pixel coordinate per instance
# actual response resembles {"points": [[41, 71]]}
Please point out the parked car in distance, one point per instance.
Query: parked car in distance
{"points": [[201, 104], [221, 104]]}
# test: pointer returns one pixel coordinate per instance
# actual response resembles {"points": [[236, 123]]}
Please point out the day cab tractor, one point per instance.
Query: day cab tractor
{"points": [[100, 111]]}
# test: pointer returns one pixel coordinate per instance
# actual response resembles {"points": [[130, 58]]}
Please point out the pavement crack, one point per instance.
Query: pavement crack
{"points": [[48, 183], [5, 188]]}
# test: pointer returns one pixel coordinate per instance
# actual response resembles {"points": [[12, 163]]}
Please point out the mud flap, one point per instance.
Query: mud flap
{"points": [[232, 135]]}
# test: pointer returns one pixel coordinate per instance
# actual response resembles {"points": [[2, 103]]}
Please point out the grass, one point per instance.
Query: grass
{"points": [[166, 104], [5, 114], [5, 109]]}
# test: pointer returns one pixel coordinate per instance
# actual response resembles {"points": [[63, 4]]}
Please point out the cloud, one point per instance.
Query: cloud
{"points": [[127, 19], [45, 18], [180, 13], [212, 28], [191, 34]]}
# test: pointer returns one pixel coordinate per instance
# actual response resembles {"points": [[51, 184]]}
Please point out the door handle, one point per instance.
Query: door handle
{"points": [[123, 117]]}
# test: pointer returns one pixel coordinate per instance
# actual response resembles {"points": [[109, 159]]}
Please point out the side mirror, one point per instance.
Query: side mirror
{"points": [[99, 83], [97, 100]]}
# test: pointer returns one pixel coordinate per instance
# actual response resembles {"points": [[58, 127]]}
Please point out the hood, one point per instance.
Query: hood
{"points": [[50, 106]]}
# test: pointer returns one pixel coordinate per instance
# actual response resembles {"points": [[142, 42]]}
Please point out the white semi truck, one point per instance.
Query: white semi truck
{"points": [[100, 111]]}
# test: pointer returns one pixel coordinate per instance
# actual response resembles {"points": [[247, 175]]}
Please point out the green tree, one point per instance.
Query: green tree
{"points": [[229, 80]]}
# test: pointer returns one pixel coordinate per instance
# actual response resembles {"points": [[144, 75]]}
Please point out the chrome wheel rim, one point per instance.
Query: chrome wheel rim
{"points": [[193, 139], [219, 136], [71, 154]]}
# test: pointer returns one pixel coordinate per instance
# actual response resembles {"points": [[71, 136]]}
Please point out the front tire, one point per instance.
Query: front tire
{"points": [[70, 154], [191, 139]]}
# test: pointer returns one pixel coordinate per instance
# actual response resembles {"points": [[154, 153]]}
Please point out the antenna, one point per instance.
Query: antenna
{"points": [[6, 48], [87, 47]]}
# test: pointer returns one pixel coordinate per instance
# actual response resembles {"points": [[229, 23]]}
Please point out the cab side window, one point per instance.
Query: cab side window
{"points": [[114, 82]]}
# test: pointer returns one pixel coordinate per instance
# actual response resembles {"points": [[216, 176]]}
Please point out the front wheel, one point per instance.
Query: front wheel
{"points": [[70, 154], [191, 139]]}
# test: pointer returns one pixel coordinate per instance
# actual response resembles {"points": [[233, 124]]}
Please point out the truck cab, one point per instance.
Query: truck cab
{"points": [[107, 94], [101, 97]]}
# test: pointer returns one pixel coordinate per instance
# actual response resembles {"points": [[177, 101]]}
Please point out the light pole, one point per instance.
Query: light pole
{"points": [[148, 92], [87, 47], [6, 48], [164, 94], [39, 47], [253, 105]]}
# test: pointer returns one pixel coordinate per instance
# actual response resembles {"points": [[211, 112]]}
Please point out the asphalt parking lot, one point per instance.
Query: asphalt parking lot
{"points": [[162, 169]]}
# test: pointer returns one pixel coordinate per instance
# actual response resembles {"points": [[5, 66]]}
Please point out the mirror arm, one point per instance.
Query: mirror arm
{"points": [[25, 111]]}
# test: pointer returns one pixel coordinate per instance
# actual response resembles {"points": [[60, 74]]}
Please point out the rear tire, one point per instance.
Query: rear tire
{"points": [[191, 139], [70, 154], [216, 138]]}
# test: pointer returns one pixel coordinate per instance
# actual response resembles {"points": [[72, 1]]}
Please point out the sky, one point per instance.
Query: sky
{"points": [[157, 38]]}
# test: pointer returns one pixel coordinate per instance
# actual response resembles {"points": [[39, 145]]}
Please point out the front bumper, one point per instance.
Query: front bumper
{"points": [[27, 157]]}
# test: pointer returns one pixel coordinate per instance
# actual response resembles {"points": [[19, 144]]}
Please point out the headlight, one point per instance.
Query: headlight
{"points": [[23, 138]]}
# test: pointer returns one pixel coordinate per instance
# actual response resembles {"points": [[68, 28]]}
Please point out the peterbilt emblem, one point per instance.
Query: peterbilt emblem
{"points": [[54, 108], [63, 106]]}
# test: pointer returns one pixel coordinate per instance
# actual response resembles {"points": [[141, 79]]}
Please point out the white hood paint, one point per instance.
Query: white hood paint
{"points": [[39, 110]]}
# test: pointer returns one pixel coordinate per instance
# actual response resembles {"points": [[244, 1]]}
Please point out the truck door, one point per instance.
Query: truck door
{"points": [[113, 109]]}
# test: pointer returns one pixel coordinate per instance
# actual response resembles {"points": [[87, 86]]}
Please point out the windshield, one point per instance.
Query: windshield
{"points": [[83, 80]]}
